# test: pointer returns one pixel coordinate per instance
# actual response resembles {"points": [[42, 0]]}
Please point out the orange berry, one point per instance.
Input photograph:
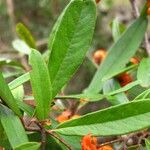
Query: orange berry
{"points": [[89, 143], [148, 11], [61, 118], [124, 79], [134, 60], [64, 116], [97, 1], [107, 147], [99, 56]]}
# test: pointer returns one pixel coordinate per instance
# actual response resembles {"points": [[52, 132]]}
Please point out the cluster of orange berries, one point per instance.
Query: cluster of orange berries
{"points": [[123, 78], [66, 115], [90, 143], [148, 7]]}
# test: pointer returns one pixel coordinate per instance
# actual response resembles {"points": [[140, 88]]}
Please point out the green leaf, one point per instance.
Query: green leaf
{"points": [[70, 40], [87, 97], [53, 32], [143, 74], [21, 46], [10, 63], [147, 142], [113, 74], [29, 146], [26, 108], [143, 95], [117, 29], [41, 85], [19, 81], [135, 91], [18, 93], [7, 97], [25, 35], [120, 53], [125, 88], [13, 127], [116, 120], [110, 86], [13, 74]]}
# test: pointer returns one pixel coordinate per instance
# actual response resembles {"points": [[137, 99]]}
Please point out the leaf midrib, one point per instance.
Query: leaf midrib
{"points": [[61, 64]]}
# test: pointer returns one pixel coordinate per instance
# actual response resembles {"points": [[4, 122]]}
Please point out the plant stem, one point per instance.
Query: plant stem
{"points": [[58, 138], [135, 10], [32, 129], [11, 14], [111, 142], [43, 140]]}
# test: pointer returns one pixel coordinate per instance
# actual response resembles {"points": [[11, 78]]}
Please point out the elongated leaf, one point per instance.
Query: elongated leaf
{"points": [[143, 95], [18, 93], [4, 140], [70, 41], [29, 146], [135, 91], [12, 74], [112, 74], [13, 127], [110, 86], [53, 32], [41, 85], [117, 120], [143, 74], [11, 63], [21, 46], [26, 108], [120, 53], [7, 97], [87, 97], [25, 35], [125, 88], [19, 81]]}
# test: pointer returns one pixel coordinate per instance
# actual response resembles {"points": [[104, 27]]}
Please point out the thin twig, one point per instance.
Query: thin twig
{"points": [[59, 139], [135, 10], [27, 128], [32, 129], [43, 135], [43, 140], [11, 14], [111, 142], [136, 14]]}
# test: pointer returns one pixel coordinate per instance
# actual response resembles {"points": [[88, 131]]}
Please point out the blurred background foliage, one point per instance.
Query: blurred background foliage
{"points": [[40, 15]]}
